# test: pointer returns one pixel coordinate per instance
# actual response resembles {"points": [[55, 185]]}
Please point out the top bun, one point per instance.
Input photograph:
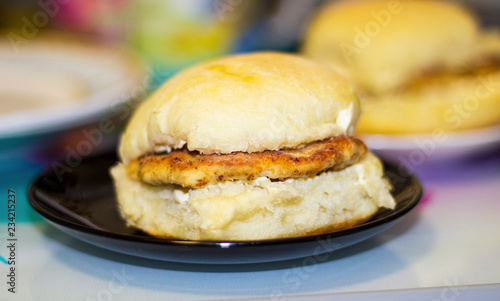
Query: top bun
{"points": [[381, 44], [251, 103]]}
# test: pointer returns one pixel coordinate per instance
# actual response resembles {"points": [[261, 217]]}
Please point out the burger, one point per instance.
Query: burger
{"points": [[247, 147], [418, 66]]}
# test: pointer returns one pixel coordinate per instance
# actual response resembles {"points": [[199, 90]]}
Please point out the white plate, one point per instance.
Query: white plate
{"points": [[422, 149], [52, 85]]}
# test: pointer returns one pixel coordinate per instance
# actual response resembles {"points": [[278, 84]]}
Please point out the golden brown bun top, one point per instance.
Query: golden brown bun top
{"points": [[252, 102], [382, 44]]}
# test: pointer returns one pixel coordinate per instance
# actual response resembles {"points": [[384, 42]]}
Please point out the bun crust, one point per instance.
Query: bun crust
{"points": [[250, 103], [261, 209], [380, 44]]}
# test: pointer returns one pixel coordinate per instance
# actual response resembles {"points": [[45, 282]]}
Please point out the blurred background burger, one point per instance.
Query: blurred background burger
{"points": [[420, 65]]}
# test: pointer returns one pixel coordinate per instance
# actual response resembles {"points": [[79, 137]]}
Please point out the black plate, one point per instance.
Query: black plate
{"points": [[82, 204]]}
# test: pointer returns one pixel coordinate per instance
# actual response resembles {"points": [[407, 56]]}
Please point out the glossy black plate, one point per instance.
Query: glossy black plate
{"points": [[81, 202]]}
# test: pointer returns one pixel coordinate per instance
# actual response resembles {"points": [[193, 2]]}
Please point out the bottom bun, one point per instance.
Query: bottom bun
{"points": [[261, 209], [447, 104]]}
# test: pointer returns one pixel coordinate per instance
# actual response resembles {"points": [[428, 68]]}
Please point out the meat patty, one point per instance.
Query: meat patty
{"points": [[192, 169], [443, 77]]}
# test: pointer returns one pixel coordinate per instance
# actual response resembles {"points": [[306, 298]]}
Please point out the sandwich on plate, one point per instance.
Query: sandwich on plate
{"points": [[248, 147]]}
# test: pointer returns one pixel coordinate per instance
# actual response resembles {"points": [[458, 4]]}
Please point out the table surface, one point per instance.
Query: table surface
{"points": [[447, 248]]}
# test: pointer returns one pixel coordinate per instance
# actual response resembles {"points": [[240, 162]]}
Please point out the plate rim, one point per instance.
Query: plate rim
{"points": [[130, 67]]}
